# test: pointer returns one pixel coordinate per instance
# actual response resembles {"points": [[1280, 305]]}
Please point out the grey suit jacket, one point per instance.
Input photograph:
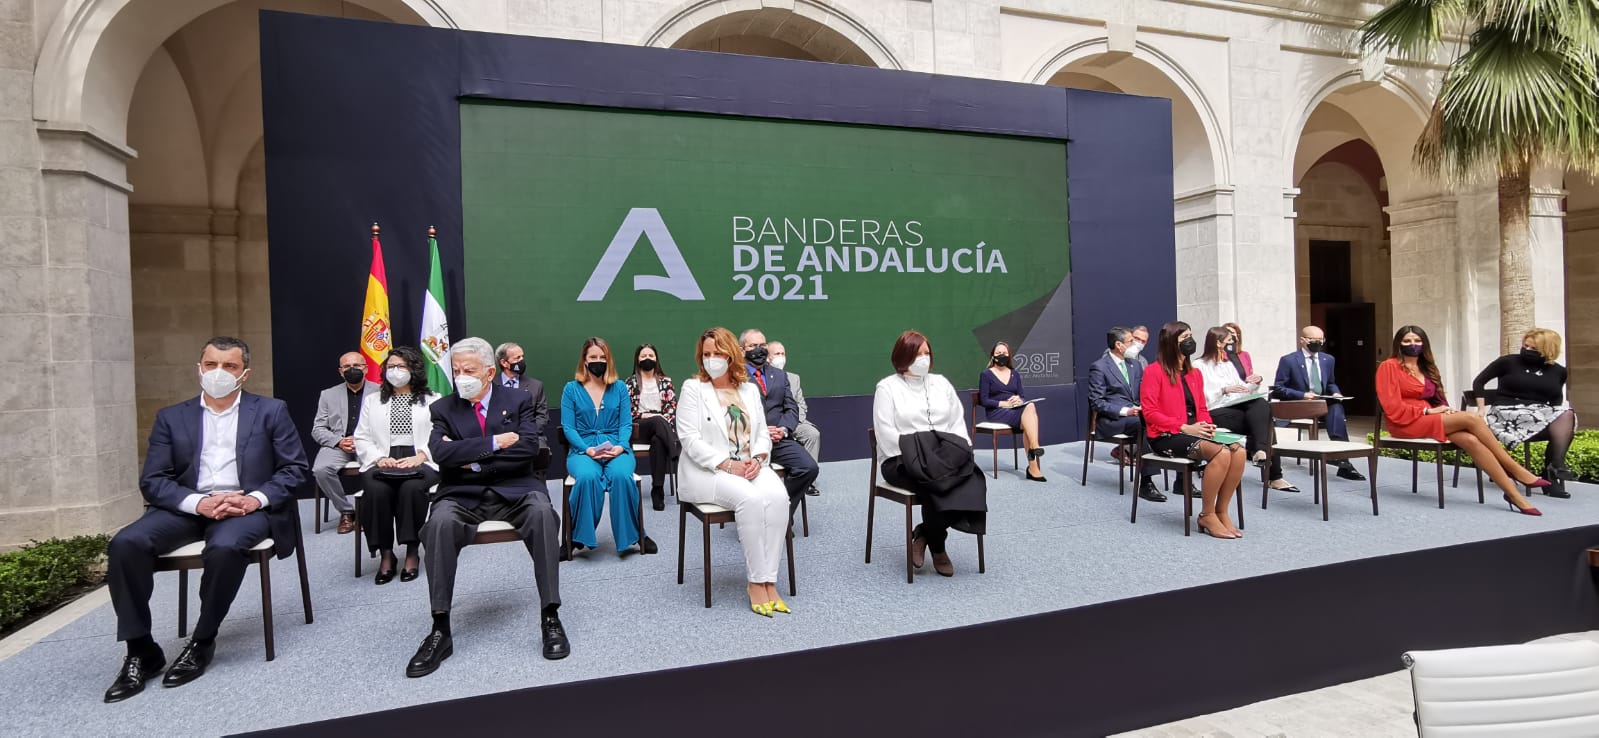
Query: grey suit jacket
{"points": [[799, 397], [332, 413]]}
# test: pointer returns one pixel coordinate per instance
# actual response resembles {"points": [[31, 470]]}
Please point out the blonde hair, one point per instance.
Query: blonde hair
{"points": [[1546, 341], [724, 341], [582, 374]]}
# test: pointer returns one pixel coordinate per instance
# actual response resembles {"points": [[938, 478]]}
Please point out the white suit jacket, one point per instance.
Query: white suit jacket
{"points": [[702, 429], [372, 437]]}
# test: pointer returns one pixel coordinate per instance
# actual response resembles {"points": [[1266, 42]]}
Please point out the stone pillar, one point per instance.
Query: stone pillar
{"points": [[1261, 263], [1582, 303], [1549, 259], [1204, 235], [1429, 282]]}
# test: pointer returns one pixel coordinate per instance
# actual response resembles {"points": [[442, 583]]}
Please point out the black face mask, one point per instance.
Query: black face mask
{"points": [[518, 367], [1188, 347], [1001, 359], [756, 356], [1531, 356], [647, 365], [1232, 348], [597, 368], [353, 375], [1313, 346], [1412, 349]]}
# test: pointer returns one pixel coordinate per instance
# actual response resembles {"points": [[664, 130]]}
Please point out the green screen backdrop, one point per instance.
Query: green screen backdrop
{"points": [[651, 227]]}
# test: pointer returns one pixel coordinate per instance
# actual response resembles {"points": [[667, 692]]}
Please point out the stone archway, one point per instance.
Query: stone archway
{"points": [[812, 30]]}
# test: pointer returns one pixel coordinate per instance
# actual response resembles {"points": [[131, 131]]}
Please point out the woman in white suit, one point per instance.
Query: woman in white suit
{"points": [[724, 461], [391, 442]]}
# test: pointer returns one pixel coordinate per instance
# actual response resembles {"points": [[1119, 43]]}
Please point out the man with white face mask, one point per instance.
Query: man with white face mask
{"points": [[808, 435], [221, 468], [1114, 383]]}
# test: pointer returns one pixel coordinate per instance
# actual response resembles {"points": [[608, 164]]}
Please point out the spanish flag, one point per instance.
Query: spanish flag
{"points": [[375, 328]]}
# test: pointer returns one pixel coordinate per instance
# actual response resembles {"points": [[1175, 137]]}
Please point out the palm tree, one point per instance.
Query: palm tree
{"points": [[1523, 93]]}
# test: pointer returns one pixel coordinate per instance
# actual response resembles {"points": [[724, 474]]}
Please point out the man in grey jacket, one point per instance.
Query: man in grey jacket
{"points": [[806, 433], [337, 411]]}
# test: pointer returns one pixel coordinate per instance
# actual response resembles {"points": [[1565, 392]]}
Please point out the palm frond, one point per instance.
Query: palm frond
{"points": [[1412, 28]]}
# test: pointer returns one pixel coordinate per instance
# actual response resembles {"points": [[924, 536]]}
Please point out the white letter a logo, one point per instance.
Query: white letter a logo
{"points": [[678, 282]]}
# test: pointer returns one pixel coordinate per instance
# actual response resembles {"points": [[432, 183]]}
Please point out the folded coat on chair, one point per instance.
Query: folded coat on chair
{"points": [[945, 473]]}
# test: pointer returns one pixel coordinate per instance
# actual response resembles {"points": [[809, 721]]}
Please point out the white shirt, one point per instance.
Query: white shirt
{"points": [[219, 456], [649, 395], [1219, 375], [906, 404]]}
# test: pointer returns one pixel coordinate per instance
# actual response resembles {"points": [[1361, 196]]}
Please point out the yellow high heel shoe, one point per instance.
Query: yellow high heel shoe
{"points": [[780, 606], [763, 609]]}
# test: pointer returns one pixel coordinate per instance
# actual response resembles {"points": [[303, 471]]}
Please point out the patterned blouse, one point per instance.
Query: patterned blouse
{"points": [[738, 423], [663, 384]]}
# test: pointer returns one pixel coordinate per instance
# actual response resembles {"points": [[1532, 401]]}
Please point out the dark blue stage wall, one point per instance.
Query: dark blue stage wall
{"points": [[363, 124]]}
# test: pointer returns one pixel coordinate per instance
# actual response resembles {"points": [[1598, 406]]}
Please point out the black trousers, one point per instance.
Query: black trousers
{"points": [[1253, 420], [662, 438], [801, 469], [132, 557], [935, 525], [1130, 425], [394, 509]]}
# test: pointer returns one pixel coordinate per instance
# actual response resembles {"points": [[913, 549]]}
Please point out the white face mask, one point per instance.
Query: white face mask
{"points": [[468, 386], [1138, 347], [716, 366], [398, 376], [921, 366], [218, 383], [778, 361], [1132, 352]]}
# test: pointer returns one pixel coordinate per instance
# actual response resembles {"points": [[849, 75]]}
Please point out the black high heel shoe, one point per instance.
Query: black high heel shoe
{"points": [[1035, 453], [409, 573]]}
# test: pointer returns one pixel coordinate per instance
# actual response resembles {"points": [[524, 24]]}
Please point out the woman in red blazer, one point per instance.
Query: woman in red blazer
{"points": [[1179, 426], [1412, 397]]}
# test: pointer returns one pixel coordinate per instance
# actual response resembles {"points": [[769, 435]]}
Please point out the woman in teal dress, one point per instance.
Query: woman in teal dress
{"points": [[598, 422]]}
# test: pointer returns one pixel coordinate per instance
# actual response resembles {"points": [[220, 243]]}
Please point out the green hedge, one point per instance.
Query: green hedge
{"points": [[1582, 457], [40, 574]]}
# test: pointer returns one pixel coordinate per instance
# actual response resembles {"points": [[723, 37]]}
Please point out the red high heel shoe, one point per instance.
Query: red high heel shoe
{"points": [[1528, 510], [1539, 483]]}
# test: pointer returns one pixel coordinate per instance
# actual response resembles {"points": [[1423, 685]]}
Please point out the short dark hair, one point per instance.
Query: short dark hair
{"points": [[1115, 335], [910, 343], [228, 343]]}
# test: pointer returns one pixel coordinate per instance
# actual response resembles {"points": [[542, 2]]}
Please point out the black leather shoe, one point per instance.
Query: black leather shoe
{"points": [[1152, 493], [136, 670], [555, 645], [813, 491], [647, 546], [434, 650], [190, 664], [657, 498], [1557, 490], [1348, 472]]}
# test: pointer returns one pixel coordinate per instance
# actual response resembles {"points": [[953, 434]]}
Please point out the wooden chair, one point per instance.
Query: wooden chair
{"points": [[1184, 469], [1295, 415], [566, 513], [641, 452], [805, 509], [320, 505], [908, 499], [993, 431], [1320, 453], [709, 514], [192, 556], [1415, 446], [1124, 465]]}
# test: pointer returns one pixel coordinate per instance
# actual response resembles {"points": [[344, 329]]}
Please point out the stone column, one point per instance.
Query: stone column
{"points": [[1261, 262], [1204, 247], [1428, 281], [1549, 259], [1582, 302]]}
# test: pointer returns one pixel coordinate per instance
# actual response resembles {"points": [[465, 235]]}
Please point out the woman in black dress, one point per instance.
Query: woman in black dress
{"points": [[1529, 403]]}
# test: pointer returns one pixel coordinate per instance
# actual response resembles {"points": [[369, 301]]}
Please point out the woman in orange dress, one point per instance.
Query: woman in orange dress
{"points": [[1411, 393]]}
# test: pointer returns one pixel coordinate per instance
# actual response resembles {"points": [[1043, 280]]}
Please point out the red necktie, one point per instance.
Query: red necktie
{"points": [[761, 380], [482, 420]]}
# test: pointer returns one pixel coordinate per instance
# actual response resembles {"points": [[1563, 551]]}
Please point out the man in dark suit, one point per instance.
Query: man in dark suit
{"points": [[1114, 383], [337, 410], [485, 441], [221, 468], [513, 373], [782, 417], [1307, 374]]}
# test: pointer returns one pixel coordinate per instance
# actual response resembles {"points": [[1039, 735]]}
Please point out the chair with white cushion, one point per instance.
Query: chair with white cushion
{"points": [[184, 559], [1320, 453], [1415, 446], [641, 454], [908, 499], [993, 431], [709, 514], [1534, 689], [566, 513]]}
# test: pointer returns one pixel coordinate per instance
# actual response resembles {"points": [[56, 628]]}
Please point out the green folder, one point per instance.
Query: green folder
{"points": [[1224, 438]]}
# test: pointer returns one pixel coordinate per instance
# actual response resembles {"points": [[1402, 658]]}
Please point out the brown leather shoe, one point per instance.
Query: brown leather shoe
{"points": [[918, 550], [346, 522], [943, 565]]}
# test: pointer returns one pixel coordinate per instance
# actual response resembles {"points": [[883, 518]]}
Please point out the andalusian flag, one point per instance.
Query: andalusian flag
{"points": [[376, 338], [435, 341]]}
